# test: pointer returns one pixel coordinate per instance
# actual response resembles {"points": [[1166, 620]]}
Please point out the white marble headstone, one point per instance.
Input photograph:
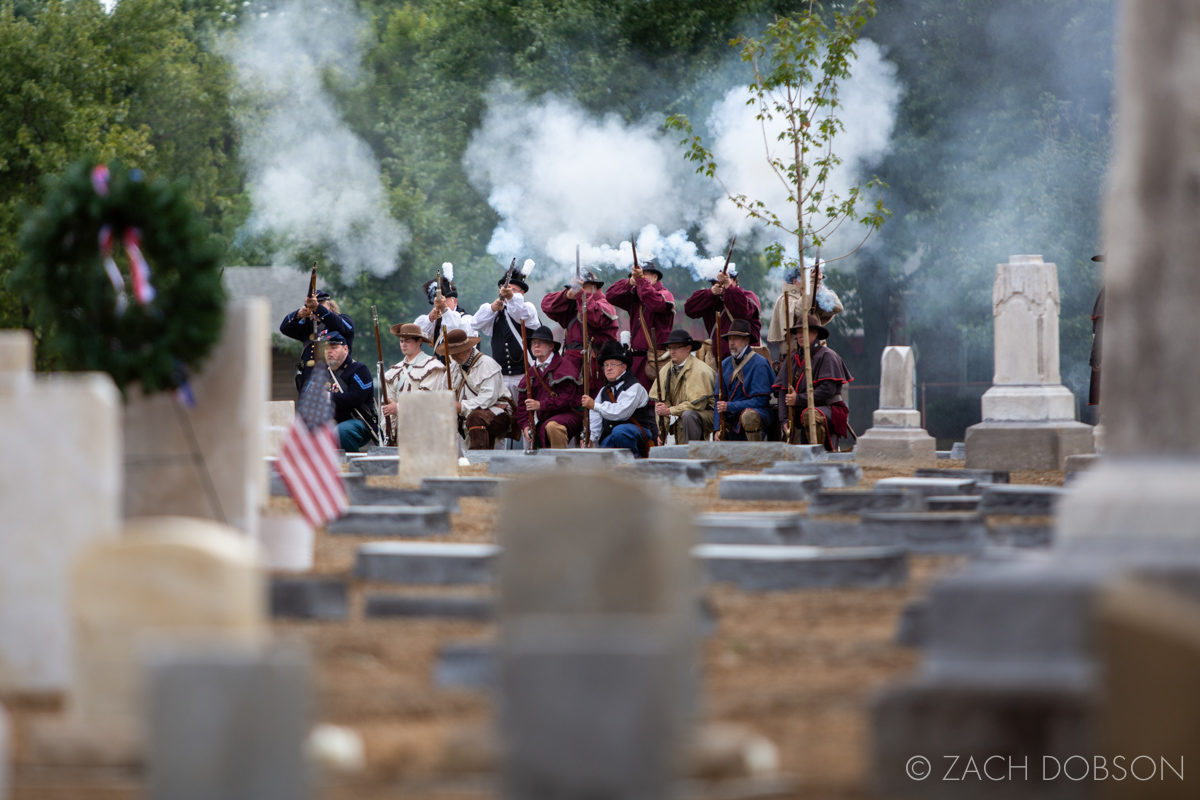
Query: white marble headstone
{"points": [[427, 436], [60, 489], [206, 461], [167, 579]]}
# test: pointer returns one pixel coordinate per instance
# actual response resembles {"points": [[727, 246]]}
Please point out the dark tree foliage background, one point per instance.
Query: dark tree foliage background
{"points": [[1000, 145]]}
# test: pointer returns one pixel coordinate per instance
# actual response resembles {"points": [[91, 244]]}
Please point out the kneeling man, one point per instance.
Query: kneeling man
{"points": [[483, 401], [686, 389], [621, 413], [549, 409]]}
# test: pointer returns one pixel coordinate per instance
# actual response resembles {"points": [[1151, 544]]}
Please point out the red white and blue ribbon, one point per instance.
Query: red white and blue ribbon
{"points": [[100, 179], [142, 289], [110, 268]]}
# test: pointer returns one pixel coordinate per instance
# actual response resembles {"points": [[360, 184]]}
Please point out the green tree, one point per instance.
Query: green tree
{"points": [[797, 66]]}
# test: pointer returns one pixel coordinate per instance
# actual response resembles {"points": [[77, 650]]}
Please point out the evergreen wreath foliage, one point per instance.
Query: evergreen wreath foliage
{"points": [[71, 280]]}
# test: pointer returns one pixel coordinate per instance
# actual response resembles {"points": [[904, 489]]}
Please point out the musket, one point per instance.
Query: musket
{"points": [[437, 325], [787, 341], [533, 428], [653, 345], [808, 356], [508, 275], [385, 437], [587, 349], [716, 339]]}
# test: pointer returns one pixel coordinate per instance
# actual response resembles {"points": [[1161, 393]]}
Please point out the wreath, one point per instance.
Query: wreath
{"points": [[121, 277]]}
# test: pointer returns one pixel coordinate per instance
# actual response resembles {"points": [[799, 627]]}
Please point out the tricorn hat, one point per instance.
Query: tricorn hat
{"points": [[814, 324], [543, 334], [456, 341], [739, 327], [519, 277], [680, 336], [409, 330], [614, 351]]}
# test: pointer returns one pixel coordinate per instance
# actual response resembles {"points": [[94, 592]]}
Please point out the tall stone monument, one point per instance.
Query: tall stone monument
{"points": [[1029, 419], [60, 492], [896, 435]]}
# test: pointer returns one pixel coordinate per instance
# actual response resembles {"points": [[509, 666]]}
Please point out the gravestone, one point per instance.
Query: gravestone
{"points": [[206, 461], [286, 543], [1029, 419], [166, 580], [228, 722], [597, 622], [60, 490], [280, 414], [896, 436], [427, 441]]}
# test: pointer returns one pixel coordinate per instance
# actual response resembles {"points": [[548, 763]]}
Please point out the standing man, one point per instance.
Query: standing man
{"points": [[621, 414], [651, 314], [483, 401], [352, 391], [826, 306], [720, 304], [687, 389], [416, 372], [501, 319], [829, 374], [551, 403], [748, 379], [566, 309], [319, 313], [444, 308]]}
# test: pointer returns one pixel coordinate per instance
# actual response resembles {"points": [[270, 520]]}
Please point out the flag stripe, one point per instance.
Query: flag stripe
{"points": [[308, 461]]}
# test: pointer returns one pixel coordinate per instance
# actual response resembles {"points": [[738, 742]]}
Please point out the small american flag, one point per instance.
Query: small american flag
{"points": [[308, 461]]}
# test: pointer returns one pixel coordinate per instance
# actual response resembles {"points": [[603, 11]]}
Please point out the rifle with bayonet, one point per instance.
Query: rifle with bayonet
{"points": [[439, 302], [716, 342]]}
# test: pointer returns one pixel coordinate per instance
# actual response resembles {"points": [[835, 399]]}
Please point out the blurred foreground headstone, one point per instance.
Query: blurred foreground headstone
{"points": [[597, 599], [60, 489]]}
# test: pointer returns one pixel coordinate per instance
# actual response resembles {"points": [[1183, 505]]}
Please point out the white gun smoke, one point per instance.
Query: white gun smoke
{"points": [[312, 181]]}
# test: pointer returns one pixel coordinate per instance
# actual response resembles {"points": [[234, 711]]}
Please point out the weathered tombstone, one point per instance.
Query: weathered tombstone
{"points": [[1029, 419], [206, 461], [597, 629], [167, 579], [287, 543], [896, 436], [279, 420], [428, 444], [228, 722], [60, 490]]}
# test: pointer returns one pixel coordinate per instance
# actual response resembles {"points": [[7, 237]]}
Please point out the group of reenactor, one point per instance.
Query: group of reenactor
{"points": [[599, 386]]}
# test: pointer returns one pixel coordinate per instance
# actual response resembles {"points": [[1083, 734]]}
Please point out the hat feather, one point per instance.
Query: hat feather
{"points": [[527, 268], [448, 270]]}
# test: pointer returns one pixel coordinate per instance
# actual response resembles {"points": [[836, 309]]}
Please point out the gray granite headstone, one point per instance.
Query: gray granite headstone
{"points": [[896, 436], [425, 562], [229, 723], [597, 638]]}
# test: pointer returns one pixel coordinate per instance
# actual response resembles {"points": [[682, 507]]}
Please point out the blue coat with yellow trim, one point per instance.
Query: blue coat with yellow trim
{"points": [[751, 388]]}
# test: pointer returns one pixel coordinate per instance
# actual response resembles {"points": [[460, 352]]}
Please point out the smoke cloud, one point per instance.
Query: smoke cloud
{"points": [[312, 181], [559, 176]]}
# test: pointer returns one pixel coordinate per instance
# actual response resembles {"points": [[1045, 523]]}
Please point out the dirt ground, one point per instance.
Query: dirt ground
{"points": [[798, 668]]}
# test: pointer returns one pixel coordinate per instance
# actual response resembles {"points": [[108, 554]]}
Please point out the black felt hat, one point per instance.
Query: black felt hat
{"points": [[680, 336], [615, 351], [543, 334], [739, 327]]}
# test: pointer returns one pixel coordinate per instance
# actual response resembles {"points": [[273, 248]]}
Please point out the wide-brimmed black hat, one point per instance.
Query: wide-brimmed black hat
{"points": [[680, 336], [650, 265], [814, 324], [588, 276], [615, 351], [731, 272], [739, 327], [544, 334]]}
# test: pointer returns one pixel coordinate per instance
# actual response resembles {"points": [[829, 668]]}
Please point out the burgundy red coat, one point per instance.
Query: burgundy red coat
{"points": [[602, 327], [829, 375], [734, 303], [559, 390], [656, 304]]}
